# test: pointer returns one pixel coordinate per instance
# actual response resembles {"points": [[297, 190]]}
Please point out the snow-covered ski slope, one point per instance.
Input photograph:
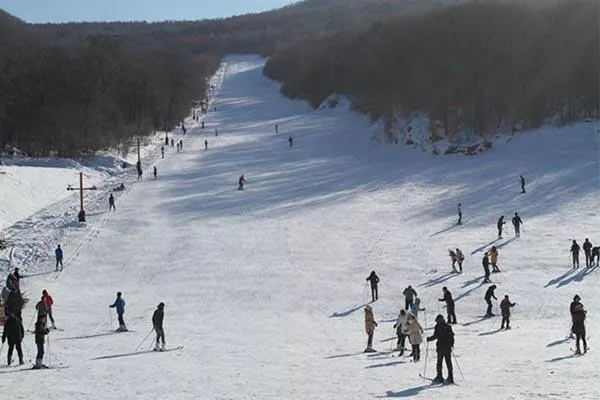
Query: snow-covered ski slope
{"points": [[265, 287]]}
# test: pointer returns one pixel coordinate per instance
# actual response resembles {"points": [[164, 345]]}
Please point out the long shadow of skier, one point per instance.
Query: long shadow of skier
{"points": [[347, 312], [439, 279], [388, 364], [559, 279], [443, 230], [479, 249], [407, 392], [561, 358], [557, 342], [490, 332], [481, 319], [468, 292], [501, 245], [577, 277], [343, 355]]}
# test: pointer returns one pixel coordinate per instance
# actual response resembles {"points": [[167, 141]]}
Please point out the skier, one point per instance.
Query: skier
{"points": [[276, 128], [370, 325], [119, 304], [172, 142], [409, 295], [157, 323], [181, 144], [138, 166], [454, 259], [401, 332], [14, 333], [241, 182], [111, 203], [14, 304], [205, 144], [500, 225], [415, 332], [494, 259], [40, 332], [517, 222], [587, 249], [595, 255], [291, 141], [59, 257], [416, 307], [459, 211], [486, 267], [41, 309], [445, 342], [48, 302], [155, 172], [505, 306], [575, 252], [12, 284], [449, 305], [162, 151], [167, 140], [17, 275], [488, 299], [202, 124], [578, 315], [373, 280], [216, 132], [522, 183], [460, 258]]}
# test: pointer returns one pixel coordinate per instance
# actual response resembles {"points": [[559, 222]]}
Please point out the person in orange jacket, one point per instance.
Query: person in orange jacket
{"points": [[494, 259], [370, 325], [48, 301]]}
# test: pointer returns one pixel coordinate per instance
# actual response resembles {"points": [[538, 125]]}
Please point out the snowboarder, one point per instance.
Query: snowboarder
{"points": [[59, 257], [460, 258], [459, 211], [111, 203], [241, 182], [48, 302], [517, 222], [494, 259], [416, 307], [370, 325], [409, 295], [157, 323], [488, 299], [587, 249], [205, 144], [575, 252], [500, 225], [445, 342], [162, 151], [291, 141], [522, 183], [486, 267], [119, 304], [578, 315], [155, 172], [505, 306], [415, 336], [449, 305], [40, 332], [401, 331], [138, 166], [14, 333], [373, 280], [595, 256]]}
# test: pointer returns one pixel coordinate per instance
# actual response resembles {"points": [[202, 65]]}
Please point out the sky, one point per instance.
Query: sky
{"points": [[40, 11]]}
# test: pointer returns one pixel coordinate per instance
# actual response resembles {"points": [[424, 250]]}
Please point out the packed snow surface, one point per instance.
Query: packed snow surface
{"points": [[265, 287]]}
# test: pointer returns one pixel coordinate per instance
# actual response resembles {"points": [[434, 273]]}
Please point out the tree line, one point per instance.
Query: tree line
{"points": [[479, 68]]}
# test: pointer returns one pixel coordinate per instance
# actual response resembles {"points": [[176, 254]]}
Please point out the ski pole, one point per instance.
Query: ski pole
{"points": [[143, 340], [110, 317], [30, 322], [425, 364], [1, 347], [459, 369], [49, 359]]}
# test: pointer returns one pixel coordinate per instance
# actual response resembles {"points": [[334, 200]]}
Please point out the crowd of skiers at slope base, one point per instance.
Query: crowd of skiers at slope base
{"points": [[407, 324]]}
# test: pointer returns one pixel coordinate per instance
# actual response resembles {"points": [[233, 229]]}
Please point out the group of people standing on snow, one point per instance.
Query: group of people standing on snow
{"points": [[516, 222], [591, 253]]}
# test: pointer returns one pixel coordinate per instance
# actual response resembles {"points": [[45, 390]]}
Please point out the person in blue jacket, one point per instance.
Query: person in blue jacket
{"points": [[59, 257], [120, 306]]}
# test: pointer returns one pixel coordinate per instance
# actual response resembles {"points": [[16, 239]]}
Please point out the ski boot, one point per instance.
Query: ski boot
{"points": [[450, 380], [438, 379], [163, 347], [156, 347], [21, 362]]}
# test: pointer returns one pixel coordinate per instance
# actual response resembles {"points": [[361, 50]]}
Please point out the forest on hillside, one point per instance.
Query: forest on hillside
{"points": [[481, 68]]}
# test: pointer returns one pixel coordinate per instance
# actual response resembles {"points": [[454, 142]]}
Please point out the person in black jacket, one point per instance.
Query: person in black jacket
{"points": [[486, 267], [157, 323], [445, 342], [409, 297], [488, 299], [595, 255], [111, 203], [13, 332], [587, 249], [578, 315], [522, 183], [517, 222], [575, 252], [505, 306], [374, 280], [449, 305], [40, 332], [500, 225]]}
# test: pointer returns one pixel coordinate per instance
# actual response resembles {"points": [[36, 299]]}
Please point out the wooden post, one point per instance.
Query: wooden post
{"points": [[81, 215], [138, 149]]}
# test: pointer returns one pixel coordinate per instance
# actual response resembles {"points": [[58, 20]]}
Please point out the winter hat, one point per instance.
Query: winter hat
{"points": [[506, 296], [576, 298], [44, 292], [161, 305], [444, 288], [118, 294], [402, 312], [439, 318]]}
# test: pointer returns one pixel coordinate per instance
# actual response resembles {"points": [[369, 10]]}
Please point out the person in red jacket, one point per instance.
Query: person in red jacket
{"points": [[48, 301]]}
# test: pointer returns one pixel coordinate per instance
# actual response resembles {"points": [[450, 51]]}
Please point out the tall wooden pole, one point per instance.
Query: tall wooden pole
{"points": [[138, 149], [81, 212]]}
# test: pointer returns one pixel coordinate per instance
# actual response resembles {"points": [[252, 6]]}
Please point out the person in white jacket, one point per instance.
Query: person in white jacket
{"points": [[400, 326], [415, 331]]}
